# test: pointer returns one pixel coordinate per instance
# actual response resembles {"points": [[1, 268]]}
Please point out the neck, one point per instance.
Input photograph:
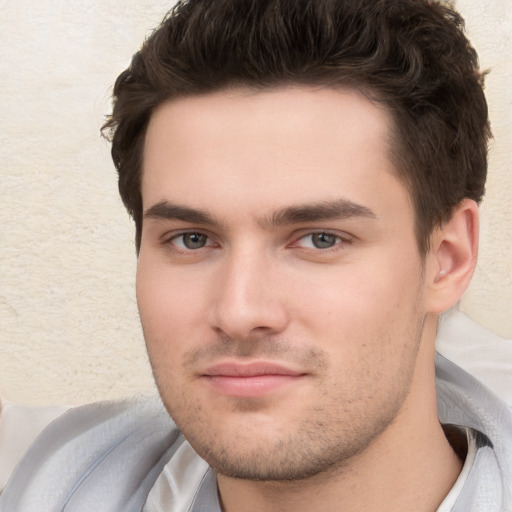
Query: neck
{"points": [[410, 466]]}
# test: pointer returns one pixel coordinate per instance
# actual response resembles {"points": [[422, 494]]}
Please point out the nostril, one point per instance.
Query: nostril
{"points": [[239, 324]]}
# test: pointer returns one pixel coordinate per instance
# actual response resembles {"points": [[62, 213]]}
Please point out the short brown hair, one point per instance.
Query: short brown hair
{"points": [[410, 54]]}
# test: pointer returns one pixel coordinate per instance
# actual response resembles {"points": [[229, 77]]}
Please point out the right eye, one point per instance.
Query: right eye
{"points": [[191, 241]]}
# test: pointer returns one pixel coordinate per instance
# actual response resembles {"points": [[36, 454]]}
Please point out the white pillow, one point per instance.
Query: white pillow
{"points": [[478, 350]]}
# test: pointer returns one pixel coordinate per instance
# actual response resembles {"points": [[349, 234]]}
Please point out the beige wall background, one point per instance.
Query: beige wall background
{"points": [[69, 330]]}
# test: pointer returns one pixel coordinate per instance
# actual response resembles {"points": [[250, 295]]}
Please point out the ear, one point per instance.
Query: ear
{"points": [[451, 260]]}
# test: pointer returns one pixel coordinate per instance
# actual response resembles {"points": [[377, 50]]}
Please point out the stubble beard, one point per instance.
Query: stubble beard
{"points": [[322, 442], [310, 451]]}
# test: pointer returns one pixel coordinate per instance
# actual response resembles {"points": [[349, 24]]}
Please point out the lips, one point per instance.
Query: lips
{"points": [[250, 380], [250, 369]]}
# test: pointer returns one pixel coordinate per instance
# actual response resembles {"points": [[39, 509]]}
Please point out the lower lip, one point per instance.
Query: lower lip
{"points": [[250, 387]]}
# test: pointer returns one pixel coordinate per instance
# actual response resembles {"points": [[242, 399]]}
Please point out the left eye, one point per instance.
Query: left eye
{"points": [[320, 240], [190, 241]]}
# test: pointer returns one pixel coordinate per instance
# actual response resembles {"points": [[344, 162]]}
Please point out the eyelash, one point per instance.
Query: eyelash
{"points": [[339, 240], [326, 234], [170, 240]]}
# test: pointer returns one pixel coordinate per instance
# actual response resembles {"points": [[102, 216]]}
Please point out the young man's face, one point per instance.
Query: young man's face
{"points": [[279, 281]]}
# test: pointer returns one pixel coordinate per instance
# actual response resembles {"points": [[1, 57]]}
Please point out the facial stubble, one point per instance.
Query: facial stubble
{"points": [[323, 439]]}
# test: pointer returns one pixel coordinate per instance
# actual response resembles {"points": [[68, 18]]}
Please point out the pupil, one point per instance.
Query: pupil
{"points": [[323, 240], [194, 240]]}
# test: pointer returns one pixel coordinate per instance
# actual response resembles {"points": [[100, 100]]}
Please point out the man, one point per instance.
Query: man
{"points": [[304, 179]]}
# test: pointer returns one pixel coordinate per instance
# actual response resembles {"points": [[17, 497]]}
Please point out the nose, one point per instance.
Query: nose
{"points": [[249, 298]]}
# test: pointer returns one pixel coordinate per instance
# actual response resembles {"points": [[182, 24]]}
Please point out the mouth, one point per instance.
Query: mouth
{"points": [[250, 380]]}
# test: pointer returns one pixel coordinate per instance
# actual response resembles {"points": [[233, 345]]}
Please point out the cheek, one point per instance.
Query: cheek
{"points": [[170, 307], [165, 294], [364, 302]]}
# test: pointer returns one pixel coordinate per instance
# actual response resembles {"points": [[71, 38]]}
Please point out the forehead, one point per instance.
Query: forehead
{"points": [[266, 148]]}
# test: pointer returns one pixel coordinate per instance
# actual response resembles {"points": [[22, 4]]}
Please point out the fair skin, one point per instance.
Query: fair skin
{"points": [[289, 317]]}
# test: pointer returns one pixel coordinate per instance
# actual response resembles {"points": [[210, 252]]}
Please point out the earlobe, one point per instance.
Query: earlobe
{"points": [[452, 258]]}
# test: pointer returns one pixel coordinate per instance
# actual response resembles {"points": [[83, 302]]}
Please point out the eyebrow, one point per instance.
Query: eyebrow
{"points": [[297, 214], [170, 211], [339, 209]]}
